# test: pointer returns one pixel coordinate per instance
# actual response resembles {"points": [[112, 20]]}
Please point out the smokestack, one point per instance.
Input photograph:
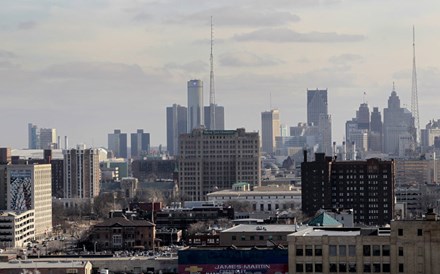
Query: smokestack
{"points": [[305, 155], [66, 143]]}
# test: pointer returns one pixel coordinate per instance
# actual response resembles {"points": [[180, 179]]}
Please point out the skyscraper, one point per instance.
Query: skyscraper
{"points": [[270, 128], [213, 160], [195, 104], [33, 136], [81, 173], [140, 144], [219, 117], [48, 138], [398, 123], [363, 116], [316, 105], [117, 142], [375, 137], [177, 119]]}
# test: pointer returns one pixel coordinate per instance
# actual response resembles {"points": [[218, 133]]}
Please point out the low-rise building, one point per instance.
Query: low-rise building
{"points": [[256, 235], [16, 228], [122, 233], [51, 267], [262, 198]]}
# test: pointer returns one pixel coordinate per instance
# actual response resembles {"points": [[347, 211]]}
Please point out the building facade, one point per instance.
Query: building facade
{"points": [[367, 187], [81, 173], [177, 120], [270, 129], [16, 228], [29, 187], [48, 138], [140, 144], [219, 117], [195, 105], [215, 160], [117, 142]]}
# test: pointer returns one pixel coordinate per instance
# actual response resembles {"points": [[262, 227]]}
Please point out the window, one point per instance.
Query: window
{"points": [[117, 240], [401, 269], [376, 250], [243, 238], [419, 232], [367, 250], [385, 250], [318, 268], [309, 267], [332, 250], [400, 232], [352, 268], [351, 250], [367, 268], [342, 250], [252, 238], [261, 237], [299, 251], [400, 250], [342, 267], [309, 251], [299, 268], [318, 250], [234, 238], [386, 268], [376, 268], [333, 267]]}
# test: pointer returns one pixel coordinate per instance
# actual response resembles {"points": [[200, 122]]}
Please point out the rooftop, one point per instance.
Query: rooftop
{"points": [[261, 228]]}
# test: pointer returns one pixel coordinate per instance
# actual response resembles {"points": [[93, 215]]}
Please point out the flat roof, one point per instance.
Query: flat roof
{"points": [[261, 228], [43, 264]]}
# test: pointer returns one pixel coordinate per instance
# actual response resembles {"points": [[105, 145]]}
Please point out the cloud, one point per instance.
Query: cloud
{"points": [[247, 59], [195, 66], [344, 59], [284, 35], [27, 25], [141, 17], [239, 16], [4, 54]]}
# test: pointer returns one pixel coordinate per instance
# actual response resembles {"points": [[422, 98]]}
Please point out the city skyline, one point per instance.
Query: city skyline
{"points": [[135, 58]]}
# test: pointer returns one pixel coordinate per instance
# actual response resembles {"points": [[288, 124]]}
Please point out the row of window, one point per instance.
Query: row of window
{"points": [[347, 267], [260, 238], [344, 250]]}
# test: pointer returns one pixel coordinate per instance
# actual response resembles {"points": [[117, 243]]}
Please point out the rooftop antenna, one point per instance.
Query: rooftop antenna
{"points": [[414, 92], [212, 104]]}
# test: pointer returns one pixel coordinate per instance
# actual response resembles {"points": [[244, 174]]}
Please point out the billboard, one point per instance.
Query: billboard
{"points": [[232, 261], [20, 190]]}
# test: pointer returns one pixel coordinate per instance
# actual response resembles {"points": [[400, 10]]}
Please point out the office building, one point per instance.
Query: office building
{"points": [[219, 118], [195, 105], [48, 138], [177, 119], [408, 246], [270, 129], [430, 134], [117, 142], [81, 173], [325, 134], [29, 187], [16, 228], [397, 122], [215, 160], [33, 137], [367, 187], [317, 105], [140, 144], [375, 136]]}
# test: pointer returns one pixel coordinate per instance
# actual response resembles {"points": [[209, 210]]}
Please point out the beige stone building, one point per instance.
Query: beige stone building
{"points": [[16, 228], [256, 235], [211, 160], [405, 247]]}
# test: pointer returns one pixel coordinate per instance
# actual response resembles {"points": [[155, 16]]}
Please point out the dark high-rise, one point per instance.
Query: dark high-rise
{"points": [[177, 121], [117, 142], [219, 118], [140, 144], [317, 105], [363, 116], [367, 187]]}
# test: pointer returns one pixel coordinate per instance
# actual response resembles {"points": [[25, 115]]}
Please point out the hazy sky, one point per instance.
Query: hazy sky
{"points": [[86, 67]]}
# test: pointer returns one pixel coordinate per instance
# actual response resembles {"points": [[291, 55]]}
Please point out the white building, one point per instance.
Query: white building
{"points": [[16, 228], [30, 187], [262, 199]]}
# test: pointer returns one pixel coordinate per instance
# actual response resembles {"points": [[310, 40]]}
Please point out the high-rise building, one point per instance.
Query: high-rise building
{"points": [[140, 144], [48, 138], [30, 187], [367, 187], [215, 160], [375, 136], [33, 137], [270, 129], [325, 134], [81, 173], [317, 105], [117, 142], [219, 117], [398, 122], [195, 104], [363, 116], [177, 120]]}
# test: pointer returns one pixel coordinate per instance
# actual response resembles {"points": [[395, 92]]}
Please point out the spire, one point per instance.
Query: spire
{"points": [[212, 104], [414, 92]]}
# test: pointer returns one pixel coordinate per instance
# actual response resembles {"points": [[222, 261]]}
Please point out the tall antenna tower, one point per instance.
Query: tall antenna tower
{"points": [[212, 104], [414, 93]]}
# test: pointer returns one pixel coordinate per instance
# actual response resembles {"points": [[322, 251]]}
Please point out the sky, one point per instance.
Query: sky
{"points": [[87, 67]]}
